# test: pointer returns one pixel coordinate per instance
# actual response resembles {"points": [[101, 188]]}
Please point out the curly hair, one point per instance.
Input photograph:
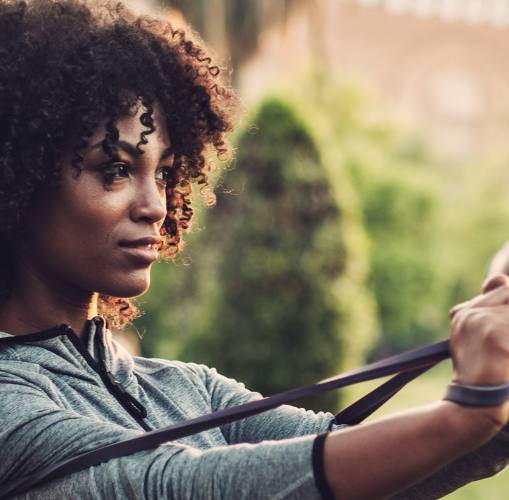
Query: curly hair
{"points": [[65, 67]]}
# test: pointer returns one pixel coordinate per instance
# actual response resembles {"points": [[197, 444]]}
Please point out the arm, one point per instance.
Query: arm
{"points": [[481, 463], [406, 448], [281, 423], [271, 469], [441, 432], [38, 430], [403, 449]]}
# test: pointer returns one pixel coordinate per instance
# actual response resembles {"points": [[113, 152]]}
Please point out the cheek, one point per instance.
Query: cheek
{"points": [[72, 228]]}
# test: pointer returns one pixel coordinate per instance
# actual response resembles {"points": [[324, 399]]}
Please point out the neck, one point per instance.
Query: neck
{"points": [[34, 306]]}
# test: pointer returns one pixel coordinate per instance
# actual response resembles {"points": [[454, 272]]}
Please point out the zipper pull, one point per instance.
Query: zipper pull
{"points": [[114, 380], [134, 406]]}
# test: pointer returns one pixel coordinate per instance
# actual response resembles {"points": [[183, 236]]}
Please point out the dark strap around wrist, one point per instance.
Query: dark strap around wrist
{"points": [[472, 395]]}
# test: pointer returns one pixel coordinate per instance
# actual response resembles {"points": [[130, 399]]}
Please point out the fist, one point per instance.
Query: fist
{"points": [[480, 336]]}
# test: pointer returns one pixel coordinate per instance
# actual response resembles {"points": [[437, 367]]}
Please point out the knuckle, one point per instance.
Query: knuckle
{"points": [[477, 321], [464, 318]]}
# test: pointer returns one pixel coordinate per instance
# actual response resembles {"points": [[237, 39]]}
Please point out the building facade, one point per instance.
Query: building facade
{"points": [[444, 63]]}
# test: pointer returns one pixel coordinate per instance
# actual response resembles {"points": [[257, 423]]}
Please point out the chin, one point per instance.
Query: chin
{"points": [[127, 288]]}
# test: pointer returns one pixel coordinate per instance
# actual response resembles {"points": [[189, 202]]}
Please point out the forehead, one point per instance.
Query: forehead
{"points": [[131, 131]]}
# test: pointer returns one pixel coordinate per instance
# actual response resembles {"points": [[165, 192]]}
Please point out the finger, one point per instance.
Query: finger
{"points": [[457, 308], [496, 297], [495, 282]]}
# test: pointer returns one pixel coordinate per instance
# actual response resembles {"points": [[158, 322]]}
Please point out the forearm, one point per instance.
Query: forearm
{"points": [[272, 469], [376, 460], [477, 464]]}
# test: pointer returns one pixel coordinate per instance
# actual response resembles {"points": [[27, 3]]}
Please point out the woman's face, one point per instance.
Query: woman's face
{"points": [[99, 231]]}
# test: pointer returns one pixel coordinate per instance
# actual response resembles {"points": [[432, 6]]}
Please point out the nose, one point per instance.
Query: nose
{"points": [[149, 203]]}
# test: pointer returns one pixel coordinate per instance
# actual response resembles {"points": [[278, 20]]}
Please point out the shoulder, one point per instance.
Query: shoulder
{"points": [[221, 390], [193, 372], [153, 366]]}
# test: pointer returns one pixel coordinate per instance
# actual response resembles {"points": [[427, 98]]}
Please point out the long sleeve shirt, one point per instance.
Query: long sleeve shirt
{"points": [[55, 403]]}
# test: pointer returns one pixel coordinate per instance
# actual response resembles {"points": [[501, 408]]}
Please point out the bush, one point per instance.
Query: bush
{"points": [[277, 323]]}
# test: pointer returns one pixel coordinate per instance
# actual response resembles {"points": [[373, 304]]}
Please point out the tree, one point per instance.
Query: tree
{"points": [[277, 323]]}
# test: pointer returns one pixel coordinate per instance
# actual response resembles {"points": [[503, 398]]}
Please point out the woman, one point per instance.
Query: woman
{"points": [[105, 118]]}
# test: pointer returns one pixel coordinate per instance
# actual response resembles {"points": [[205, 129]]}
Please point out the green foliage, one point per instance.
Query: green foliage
{"points": [[399, 192], [433, 224], [277, 323], [475, 222], [401, 207]]}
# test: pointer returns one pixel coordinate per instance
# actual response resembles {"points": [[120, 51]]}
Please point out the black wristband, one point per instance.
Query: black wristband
{"points": [[319, 468], [477, 396]]}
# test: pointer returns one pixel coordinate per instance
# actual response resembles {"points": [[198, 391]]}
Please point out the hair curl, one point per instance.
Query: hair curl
{"points": [[65, 67]]}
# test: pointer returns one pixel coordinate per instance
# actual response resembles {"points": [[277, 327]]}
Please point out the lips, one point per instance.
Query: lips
{"points": [[142, 242], [142, 250]]}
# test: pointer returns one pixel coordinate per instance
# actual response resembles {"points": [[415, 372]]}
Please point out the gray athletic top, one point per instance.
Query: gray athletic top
{"points": [[56, 402]]}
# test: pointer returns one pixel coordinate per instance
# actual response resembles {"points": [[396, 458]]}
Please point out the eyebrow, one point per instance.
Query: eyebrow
{"points": [[132, 150]]}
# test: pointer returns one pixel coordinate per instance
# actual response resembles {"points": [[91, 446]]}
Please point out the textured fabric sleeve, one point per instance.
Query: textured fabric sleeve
{"points": [[481, 463], [275, 470], [37, 430], [281, 423]]}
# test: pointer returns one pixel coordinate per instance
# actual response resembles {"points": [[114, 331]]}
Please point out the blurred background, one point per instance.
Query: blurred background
{"points": [[367, 197]]}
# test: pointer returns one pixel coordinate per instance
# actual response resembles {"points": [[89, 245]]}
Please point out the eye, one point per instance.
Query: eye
{"points": [[163, 174], [114, 171]]}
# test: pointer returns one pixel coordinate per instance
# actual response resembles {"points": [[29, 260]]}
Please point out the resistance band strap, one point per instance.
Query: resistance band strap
{"points": [[408, 366], [364, 407]]}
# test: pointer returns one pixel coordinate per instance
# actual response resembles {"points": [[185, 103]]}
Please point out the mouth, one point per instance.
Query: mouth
{"points": [[142, 251], [148, 246]]}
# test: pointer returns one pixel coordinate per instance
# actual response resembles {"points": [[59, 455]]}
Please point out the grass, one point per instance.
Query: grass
{"points": [[426, 389]]}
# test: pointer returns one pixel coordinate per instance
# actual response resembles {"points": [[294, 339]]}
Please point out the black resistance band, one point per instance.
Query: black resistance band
{"points": [[407, 366]]}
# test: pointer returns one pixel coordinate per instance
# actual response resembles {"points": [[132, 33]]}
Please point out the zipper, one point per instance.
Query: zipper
{"points": [[130, 403]]}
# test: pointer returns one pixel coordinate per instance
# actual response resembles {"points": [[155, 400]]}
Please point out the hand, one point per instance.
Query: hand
{"points": [[480, 336], [442, 431]]}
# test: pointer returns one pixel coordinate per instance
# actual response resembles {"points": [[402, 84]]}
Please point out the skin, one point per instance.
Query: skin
{"points": [[78, 234]]}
